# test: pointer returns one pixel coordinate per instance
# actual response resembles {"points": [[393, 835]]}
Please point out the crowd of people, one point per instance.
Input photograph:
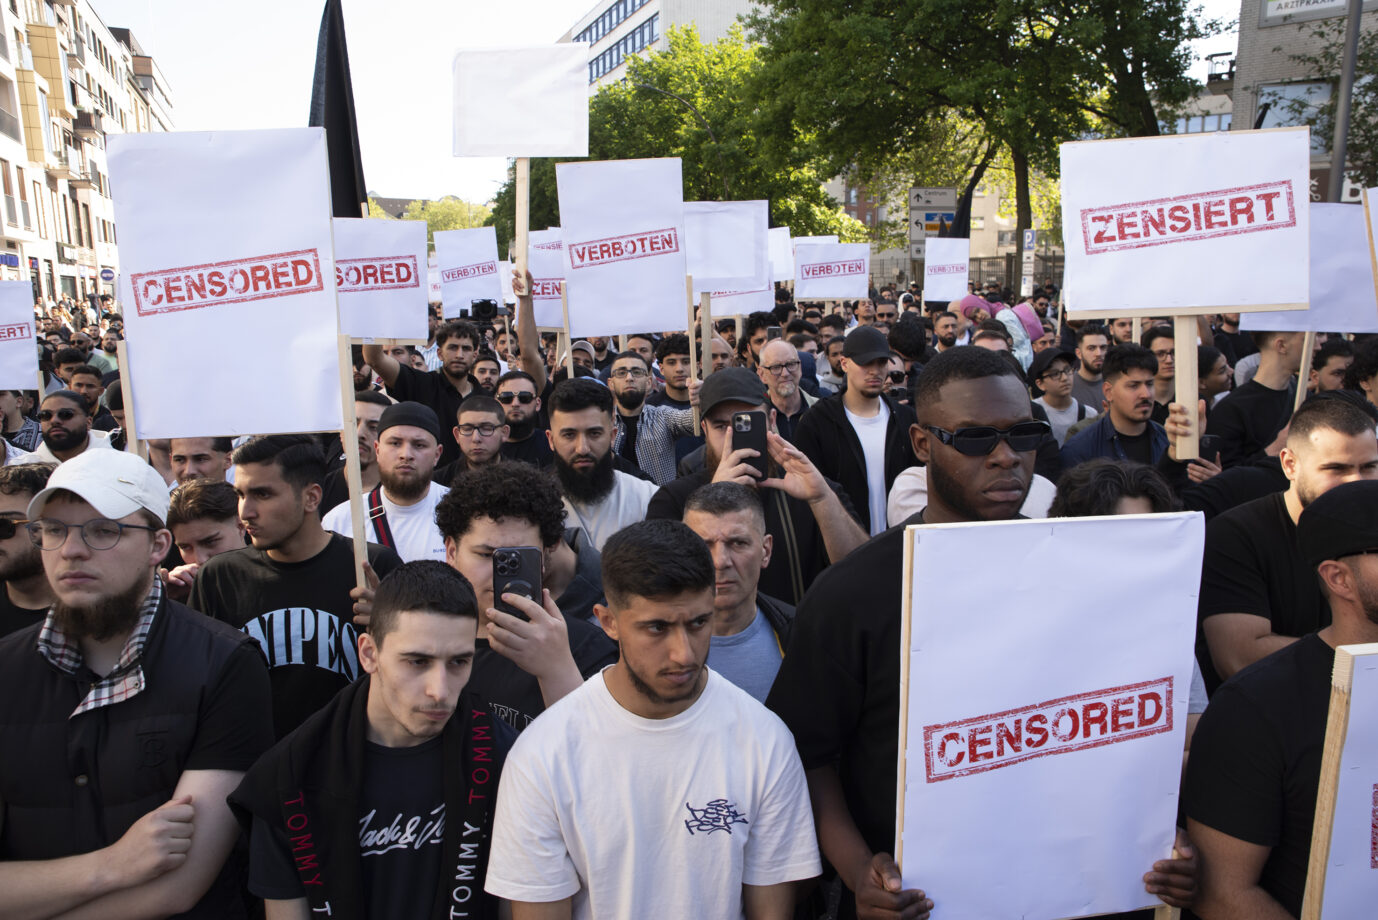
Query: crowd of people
{"points": [[628, 639]]}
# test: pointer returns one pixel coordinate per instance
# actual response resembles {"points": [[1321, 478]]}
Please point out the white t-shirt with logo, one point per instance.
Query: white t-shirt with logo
{"points": [[871, 433], [638, 818], [413, 526]]}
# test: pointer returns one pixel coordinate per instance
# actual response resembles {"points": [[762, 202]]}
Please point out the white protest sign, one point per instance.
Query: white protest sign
{"points": [[468, 261], [522, 102], [18, 340], [1370, 200], [378, 277], [546, 262], [623, 228], [1343, 296], [741, 303], [1041, 741], [798, 241], [433, 278], [781, 255], [225, 238], [505, 276], [831, 271], [727, 245], [946, 267], [1187, 224], [1342, 881]]}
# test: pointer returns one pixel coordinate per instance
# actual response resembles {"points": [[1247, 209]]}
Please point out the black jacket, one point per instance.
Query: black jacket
{"points": [[829, 440], [779, 615]]}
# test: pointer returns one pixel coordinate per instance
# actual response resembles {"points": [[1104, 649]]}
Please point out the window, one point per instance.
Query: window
{"points": [[24, 201], [1291, 104], [86, 216], [978, 223]]}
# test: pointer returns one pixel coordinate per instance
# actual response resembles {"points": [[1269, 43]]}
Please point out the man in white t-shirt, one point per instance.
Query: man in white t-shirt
{"points": [[708, 814], [401, 510], [1051, 374]]}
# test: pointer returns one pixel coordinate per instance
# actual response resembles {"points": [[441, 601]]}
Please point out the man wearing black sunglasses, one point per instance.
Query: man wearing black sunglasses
{"points": [[521, 404], [66, 428]]}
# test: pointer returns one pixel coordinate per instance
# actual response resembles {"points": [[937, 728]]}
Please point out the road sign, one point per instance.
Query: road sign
{"points": [[942, 199], [916, 249], [929, 222], [1027, 263], [107, 275]]}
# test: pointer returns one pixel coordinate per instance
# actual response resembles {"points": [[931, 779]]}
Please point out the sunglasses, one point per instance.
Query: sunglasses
{"points": [[983, 439], [10, 526], [65, 415], [897, 376], [523, 398]]}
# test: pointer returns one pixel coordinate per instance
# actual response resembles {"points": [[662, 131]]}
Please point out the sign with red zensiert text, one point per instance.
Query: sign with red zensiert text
{"points": [[546, 262], [1187, 224], [1026, 700], [622, 223], [831, 271], [468, 261], [228, 258], [18, 338], [381, 278]]}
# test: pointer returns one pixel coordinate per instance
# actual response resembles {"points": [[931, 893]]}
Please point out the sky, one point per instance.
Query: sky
{"points": [[249, 64]]}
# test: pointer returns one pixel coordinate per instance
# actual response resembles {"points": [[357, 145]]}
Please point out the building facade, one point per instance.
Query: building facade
{"points": [[618, 29], [66, 81]]}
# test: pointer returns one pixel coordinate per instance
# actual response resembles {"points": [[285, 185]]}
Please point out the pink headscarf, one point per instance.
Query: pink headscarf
{"points": [[973, 302], [1028, 316]]}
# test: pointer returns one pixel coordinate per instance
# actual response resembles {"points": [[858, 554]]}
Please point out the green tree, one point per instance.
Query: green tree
{"points": [[449, 213], [690, 101], [374, 210]]}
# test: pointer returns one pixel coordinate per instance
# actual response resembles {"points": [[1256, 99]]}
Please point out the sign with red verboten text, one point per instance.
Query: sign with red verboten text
{"points": [[382, 278], [1187, 224], [18, 342], [228, 254], [831, 271], [1029, 700], [946, 267], [622, 223], [468, 262]]}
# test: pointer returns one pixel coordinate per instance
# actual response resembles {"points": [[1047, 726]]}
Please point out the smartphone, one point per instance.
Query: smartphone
{"points": [[1209, 446], [516, 570], [749, 430], [773, 332]]}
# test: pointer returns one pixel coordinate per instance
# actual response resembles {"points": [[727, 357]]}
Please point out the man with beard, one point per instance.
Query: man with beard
{"points": [[135, 717], [838, 687], [1126, 430], [672, 355], [521, 406], [603, 353], [1251, 782], [859, 438], [598, 497], [809, 519], [66, 428], [646, 434], [834, 377], [19, 430], [401, 508], [1258, 594], [780, 370], [368, 410], [363, 374], [480, 430], [109, 349], [487, 370], [86, 380], [293, 589], [27, 595], [1092, 344], [443, 390], [200, 458], [944, 331]]}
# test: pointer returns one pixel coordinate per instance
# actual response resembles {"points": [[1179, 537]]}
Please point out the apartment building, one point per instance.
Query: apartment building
{"points": [[617, 29]]}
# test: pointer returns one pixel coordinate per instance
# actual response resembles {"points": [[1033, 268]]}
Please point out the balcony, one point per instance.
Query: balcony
{"points": [[76, 57], [88, 123], [81, 178], [1220, 79], [9, 126], [64, 2]]}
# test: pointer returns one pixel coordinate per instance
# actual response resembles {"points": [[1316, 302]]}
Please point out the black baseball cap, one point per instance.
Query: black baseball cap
{"points": [[731, 384], [1044, 359], [865, 344], [1342, 521]]}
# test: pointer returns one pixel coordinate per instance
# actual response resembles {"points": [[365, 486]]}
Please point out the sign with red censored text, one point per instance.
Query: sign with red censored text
{"points": [[1187, 224], [831, 271], [546, 262], [1342, 879], [728, 245], [946, 267], [1343, 297], [18, 338], [623, 228], [229, 278], [1041, 741], [380, 277], [530, 101], [468, 262]]}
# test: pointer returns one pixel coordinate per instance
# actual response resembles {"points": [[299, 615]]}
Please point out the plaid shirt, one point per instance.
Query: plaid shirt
{"points": [[126, 679], [656, 431]]}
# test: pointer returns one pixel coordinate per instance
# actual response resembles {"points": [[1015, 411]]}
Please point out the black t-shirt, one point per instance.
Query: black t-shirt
{"points": [[629, 425], [1235, 345], [14, 618], [401, 835], [513, 695], [1252, 565], [1160, 412], [661, 398], [1249, 419], [1139, 447], [434, 389], [534, 450], [1255, 761], [300, 613]]}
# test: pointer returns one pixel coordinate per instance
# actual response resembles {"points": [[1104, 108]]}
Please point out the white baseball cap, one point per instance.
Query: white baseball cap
{"points": [[113, 482]]}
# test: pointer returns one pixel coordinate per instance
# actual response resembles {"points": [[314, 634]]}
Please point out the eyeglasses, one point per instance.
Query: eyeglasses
{"points": [[10, 526], [1056, 375], [98, 533], [787, 367], [523, 397], [1160, 355], [622, 373], [982, 439], [65, 415], [485, 429]]}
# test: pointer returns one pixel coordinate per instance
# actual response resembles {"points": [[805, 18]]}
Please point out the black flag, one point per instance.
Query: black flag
{"points": [[332, 108]]}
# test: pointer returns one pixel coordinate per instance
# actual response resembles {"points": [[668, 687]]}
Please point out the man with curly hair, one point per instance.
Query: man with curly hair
{"points": [[522, 665]]}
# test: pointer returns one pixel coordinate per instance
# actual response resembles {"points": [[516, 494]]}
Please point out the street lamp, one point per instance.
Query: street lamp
{"points": [[727, 195]]}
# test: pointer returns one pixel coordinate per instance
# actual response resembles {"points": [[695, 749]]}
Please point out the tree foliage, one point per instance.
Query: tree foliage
{"points": [[448, 213], [690, 101], [375, 210]]}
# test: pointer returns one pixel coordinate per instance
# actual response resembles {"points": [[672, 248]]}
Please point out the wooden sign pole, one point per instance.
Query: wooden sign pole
{"points": [[693, 358], [1308, 355], [354, 476], [1188, 392], [523, 215], [569, 340], [706, 333], [127, 394]]}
